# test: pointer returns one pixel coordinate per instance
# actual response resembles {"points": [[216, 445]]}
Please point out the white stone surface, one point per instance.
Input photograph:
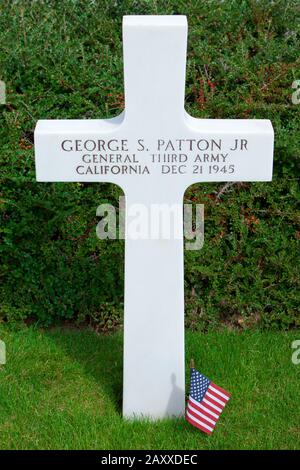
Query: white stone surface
{"points": [[154, 122]]}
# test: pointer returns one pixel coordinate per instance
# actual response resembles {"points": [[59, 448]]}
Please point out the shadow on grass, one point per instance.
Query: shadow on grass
{"points": [[101, 357]]}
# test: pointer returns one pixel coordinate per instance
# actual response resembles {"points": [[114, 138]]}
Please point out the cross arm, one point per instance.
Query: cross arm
{"points": [[64, 149], [228, 150]]}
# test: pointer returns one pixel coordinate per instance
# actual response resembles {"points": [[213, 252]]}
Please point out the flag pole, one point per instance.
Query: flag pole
{"points": [[192, 364]]}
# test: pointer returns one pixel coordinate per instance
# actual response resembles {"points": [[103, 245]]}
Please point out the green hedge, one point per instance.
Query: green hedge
{"points": [[64, 60]]}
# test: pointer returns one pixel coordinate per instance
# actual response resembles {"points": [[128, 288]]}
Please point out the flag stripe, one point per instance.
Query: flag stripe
{"points": [[217, 394], [215, 399], [203, 421], [201, 415], [220, 390], [209, 402], [197, 425], [203, 408], [209, 407], [199, 422]]}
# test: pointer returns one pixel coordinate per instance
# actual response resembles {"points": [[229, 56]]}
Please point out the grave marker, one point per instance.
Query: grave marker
{"points": [[154, 150]]}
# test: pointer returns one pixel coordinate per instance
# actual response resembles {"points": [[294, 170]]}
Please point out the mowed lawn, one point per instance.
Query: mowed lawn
{"points": [[62, 389]]}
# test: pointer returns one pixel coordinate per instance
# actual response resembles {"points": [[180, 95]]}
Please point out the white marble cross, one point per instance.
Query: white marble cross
{"points": [[154, 150]]}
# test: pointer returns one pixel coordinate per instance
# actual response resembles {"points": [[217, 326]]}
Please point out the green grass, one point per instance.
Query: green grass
{"points": [[62, 389]]}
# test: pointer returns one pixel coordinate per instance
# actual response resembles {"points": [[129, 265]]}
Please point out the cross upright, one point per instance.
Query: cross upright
{"points": [[154, 150]]}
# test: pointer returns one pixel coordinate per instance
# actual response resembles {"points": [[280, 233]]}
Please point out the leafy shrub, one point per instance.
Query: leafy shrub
{"points": [[64, 59]]}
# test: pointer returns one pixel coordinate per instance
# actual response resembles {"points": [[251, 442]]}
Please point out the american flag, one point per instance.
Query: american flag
{"points": [[206, 402]]}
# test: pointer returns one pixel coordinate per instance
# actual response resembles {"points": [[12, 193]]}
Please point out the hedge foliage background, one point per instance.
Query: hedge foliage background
{"points": [[64, 60]]}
